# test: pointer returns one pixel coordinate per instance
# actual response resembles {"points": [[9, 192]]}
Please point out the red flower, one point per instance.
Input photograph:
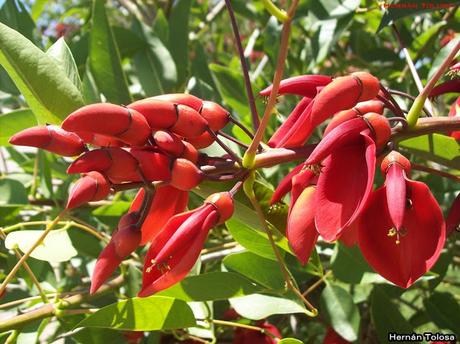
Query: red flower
{"points": [[401, 244], [177, 247], [340, 94], [348, 160], [455, 111]]}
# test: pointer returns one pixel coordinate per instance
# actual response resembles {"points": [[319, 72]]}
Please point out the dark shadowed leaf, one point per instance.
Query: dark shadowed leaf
{"points": [[104, 58], [443, 309]]}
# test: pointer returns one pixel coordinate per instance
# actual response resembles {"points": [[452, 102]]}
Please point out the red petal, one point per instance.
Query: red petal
{"points": [[300, 230], [333, 338], [450, 86], [344, 186], [167, 202], [300, 130], [302, 180], [349, 236], [106, 264], [285, 185], [418, 249], [293, 117], [343, 134], [396, 194]]}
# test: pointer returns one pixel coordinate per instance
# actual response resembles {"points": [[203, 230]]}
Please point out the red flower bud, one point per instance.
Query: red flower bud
{"points": [[247, 336], [455, 111], [189, 122], [216, 116], [185, 175], [302, 85], [169, 143], [177, 247], [223, 202], [181, 98], [359, 110], [190, 152], [127, 237], [153, 165], [90, 188], [116, 121], [116, 163], [167, 202], [50, 138], [107, 262], [99, 140], [159, 114], [202, 141]]}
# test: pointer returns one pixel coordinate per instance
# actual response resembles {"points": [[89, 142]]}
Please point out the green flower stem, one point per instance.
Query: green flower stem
{"points": [[417, 106], [280, 14]]}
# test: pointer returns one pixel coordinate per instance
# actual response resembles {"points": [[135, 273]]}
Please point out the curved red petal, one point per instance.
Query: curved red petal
{"points": [[420, 243], [344, 134], [344, 186], [302, 85], [167, 202], [396, 194], [300, 230], [302, 180], [285, 185]]}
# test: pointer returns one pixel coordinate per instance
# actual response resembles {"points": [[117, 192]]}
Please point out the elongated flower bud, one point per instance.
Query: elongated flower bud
{"points": [[450, 86], [51, 138], [181, 98], [160, 114], [91, 187], [190, 152], [302, 85], [185, 175], [99, 140], [107, 262], [216, 116], [169, 143], [127, 237], [453, 218], [189, 122], [153, 165], [122, 123], [202, 141]]}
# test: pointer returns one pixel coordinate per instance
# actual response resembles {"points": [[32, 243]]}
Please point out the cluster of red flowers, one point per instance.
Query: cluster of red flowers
{"points": [[399, 227], [151, 140]]}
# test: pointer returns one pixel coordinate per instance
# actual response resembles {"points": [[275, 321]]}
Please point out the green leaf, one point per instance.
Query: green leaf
{"points": [[265, 272], [156, 68], [104, 58], [46, 88], [12, 193], [64, 59], [211, 286], [439, 148], [231, 87], [343, 258], [385, 315], [37, 8], [55, 248], [394, 12], [258, 306], [443, 309], [44, 172], [251, 239], [13, 122], [143, 314], [178, 37], [128, 42], [340, 311], [15, 15], [290, 341]]}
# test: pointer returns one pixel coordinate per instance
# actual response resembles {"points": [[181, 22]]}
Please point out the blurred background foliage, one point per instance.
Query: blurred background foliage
{"points": [[66, 53]]}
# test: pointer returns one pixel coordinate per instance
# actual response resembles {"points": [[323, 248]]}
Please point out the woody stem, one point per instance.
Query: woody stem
{"points": [[248, 159]]}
